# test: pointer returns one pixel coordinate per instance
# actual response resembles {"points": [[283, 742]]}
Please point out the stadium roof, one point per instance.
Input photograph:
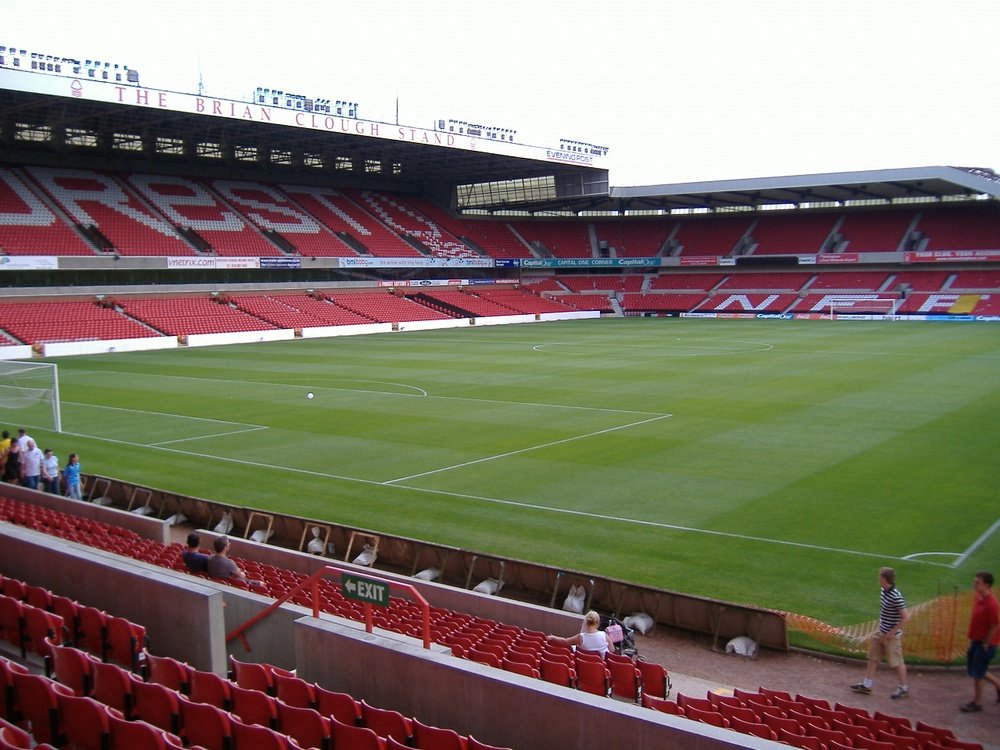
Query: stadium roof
{"points": [[85, 132], [883, 185]]}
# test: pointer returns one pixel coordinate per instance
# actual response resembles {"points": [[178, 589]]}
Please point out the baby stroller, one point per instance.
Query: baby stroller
{"points": [[622, 636]]}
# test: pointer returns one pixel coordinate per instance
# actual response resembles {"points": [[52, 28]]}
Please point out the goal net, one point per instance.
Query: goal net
{"points": [[862, 307], [29, 395]]}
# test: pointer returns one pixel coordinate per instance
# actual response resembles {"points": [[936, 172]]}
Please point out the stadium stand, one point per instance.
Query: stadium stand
{"points": [[873, 231], [713, 236], [599, 302], [848, 281], [30, 223], [740, 302], [287, 311], [489, 236], [518, 301], [559, 239], [40, 322], [975, 281], [685, 281], [791, 234], [410, 224], [182, 316], [781, 281], [960, 228], [462, 303], [548, 284], [385, 307], [661, 302], [276, 216], [114, 218], [630, 238], [920, 281], [359, 232], [610, 283], [201, 213]]}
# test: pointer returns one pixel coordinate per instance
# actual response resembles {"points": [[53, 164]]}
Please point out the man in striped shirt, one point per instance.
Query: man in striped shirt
{"points": [[887, 643]]}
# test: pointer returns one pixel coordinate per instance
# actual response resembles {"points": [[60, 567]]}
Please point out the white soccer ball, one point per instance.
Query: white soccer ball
{"points": [[310, 395]]}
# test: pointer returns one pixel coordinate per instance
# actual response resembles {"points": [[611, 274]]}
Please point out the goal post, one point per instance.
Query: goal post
{"points": [[862, 307], [29, 395]]}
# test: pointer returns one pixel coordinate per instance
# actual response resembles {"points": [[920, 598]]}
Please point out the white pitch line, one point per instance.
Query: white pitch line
{"points": [[525, 450], [422, 394], [515, 503], [164, 414], [661, 525], [915, 555], [976, 544], [206, 437]]}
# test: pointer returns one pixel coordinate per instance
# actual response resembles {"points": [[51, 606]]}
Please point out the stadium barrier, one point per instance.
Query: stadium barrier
{"points": [[462, 569], [934, 633], [108, 346], [185, 618]]}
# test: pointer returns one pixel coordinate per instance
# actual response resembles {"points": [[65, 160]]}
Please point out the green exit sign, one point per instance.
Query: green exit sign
{"points": [[364, 590]]}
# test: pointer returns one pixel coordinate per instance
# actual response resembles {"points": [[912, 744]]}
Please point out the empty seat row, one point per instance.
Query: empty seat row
{"points": [[811, 723]]}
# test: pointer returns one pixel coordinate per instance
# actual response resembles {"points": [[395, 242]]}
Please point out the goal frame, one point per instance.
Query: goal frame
{"points": [[9, 371], [850, 304]]}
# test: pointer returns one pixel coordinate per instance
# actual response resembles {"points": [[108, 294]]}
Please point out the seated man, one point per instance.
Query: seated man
{"points": [[194, 560], [220, 566]]}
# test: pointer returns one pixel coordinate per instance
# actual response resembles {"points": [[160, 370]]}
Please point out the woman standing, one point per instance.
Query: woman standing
{"points": [[12, 469]]}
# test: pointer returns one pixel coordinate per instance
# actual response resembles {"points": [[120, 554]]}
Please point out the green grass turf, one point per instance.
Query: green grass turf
{"points": [[778, 463]]}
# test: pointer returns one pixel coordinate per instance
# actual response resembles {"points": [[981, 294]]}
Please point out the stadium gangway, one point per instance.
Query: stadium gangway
{"points": [[312, 585]]}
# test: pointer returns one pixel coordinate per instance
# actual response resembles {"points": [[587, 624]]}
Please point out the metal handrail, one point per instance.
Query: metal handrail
{"points": [[312, 584]]}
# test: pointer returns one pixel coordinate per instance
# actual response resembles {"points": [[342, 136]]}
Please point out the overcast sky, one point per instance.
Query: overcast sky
{"points": [[679, 92]]}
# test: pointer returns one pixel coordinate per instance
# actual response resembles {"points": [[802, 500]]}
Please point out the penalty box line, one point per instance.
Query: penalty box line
{"points": [[246, 427], [484, 459]]}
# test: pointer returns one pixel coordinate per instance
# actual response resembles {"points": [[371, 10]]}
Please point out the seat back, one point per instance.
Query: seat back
{"points": [[136, 735], [155, 704], [625, 680], [662, 704], [168, 672], [71, 667], [304, 725], [557, 672], [706, 716], [294, 691], [251, 676], [208, 687], [37, 697], [205, 725], [125, 640], [655, 678], [256, 737], [253, 706], [386, 722], [520, 667], [92, 626], [84, 722], [354, 737], [111, 685], [338, 706], [427, 737], [40, 629]]}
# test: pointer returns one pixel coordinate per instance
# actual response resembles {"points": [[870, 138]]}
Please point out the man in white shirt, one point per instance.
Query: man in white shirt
{"points": [[31, 466], [22, 439]]}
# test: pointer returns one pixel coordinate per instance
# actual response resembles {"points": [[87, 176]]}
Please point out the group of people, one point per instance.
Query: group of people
{"points": [[887, 642], [21, 462], [218, 565]]}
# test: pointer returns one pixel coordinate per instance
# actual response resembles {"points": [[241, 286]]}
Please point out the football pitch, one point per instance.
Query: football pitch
{"points": [[777, 463]]}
